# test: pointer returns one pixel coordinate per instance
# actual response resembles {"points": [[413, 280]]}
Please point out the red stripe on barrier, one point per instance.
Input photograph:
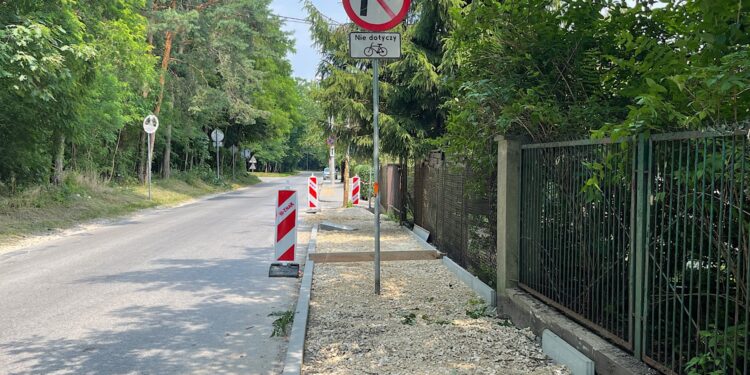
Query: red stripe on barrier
{"points": [[284, 195], [286, 226], [288, 255], [313, 193]]}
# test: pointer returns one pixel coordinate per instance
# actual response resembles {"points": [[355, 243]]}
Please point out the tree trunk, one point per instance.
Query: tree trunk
{"points": [[166, 163], [169, 38], [59, 157], [345, 176], [114, 156], [142, 157]]}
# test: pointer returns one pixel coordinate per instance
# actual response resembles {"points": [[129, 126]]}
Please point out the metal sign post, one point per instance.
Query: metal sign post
{"points": [[217, 136], [376, 162], [380, 15], [150, 124]]}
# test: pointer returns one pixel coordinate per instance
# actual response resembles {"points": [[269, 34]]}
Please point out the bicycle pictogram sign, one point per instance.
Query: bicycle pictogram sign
{"points": [[376, 48], [375, 45]]}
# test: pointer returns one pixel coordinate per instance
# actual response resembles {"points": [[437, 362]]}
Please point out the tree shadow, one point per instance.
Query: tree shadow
{"points": [[226, 331]]}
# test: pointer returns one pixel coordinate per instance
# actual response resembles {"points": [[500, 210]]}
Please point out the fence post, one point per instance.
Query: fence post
{"points": [[640, 242], [508, 212]]}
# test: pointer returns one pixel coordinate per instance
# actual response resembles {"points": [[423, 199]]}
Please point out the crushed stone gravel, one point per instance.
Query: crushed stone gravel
{"points": [[418, 325]]}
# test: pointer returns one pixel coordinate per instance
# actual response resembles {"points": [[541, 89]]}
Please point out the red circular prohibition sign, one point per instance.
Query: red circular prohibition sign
{"points": [[395, 17]]}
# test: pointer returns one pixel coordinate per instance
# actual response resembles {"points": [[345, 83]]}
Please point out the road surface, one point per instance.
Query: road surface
{"points": [[169, 291]]}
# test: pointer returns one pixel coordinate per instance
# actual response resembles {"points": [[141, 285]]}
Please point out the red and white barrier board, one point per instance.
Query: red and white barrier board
{"points": [[355, 190], [286, 225], [312, 194]]}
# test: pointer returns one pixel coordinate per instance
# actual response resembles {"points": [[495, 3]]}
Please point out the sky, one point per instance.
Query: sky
{"points": [[306, 58]]}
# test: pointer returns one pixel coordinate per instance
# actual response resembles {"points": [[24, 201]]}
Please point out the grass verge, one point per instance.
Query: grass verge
{"points": [[274, 174], [46, 209]]}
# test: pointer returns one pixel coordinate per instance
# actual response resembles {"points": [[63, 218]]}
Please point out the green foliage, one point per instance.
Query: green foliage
{"points": [[364, 172], [282, 324], [409, 319], [410, 89], [77, 77], [477, 309], [721, 350]]}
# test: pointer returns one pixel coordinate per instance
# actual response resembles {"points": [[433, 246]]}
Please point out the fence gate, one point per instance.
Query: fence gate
{"points": [[646, 242]]}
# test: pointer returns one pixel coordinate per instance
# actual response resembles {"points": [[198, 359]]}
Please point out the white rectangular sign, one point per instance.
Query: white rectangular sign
{"points": [[375, 45]]}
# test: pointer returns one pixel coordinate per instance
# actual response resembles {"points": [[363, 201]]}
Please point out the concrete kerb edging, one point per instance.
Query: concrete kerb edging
{"points": [[296, 349], [478, 286], [526, 311]]}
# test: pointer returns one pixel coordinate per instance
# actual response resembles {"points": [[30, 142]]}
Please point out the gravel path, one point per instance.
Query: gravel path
{"points": [[418, 325]]}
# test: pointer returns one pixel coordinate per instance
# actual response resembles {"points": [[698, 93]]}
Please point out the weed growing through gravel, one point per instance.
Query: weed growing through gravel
{"points": [[281, 325], [409, 319], [477, 309]]}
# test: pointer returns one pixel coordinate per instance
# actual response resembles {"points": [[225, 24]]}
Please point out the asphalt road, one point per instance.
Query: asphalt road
{"points": [[168, 291]]}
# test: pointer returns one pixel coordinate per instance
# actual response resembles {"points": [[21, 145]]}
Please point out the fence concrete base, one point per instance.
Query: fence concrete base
{"points": [[562, 352], [526, 311]]}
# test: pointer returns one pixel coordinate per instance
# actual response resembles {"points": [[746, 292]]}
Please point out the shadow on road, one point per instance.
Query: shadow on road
{"points": [[226, 331]]}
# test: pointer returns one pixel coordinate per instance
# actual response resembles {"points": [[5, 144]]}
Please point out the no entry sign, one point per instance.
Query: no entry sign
{"points": [[377, 15]]}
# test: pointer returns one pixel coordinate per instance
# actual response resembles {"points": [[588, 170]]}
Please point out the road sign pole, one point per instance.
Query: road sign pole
{"points": [[218, 177], [375, 156], [150, 124], [369, 16], [150, 157]]}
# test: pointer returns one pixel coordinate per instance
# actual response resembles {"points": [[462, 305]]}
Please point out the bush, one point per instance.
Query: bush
{"points": [[364, 171]]}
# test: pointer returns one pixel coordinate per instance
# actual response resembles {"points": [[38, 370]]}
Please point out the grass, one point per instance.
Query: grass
{"points": [[274, 174], [46, 209], [282, 324]]}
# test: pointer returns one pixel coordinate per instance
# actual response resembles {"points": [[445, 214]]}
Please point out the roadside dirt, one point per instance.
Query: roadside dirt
{"points": [[420, 323]]}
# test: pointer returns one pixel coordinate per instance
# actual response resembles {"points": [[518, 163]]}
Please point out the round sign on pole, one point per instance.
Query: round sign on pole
{"points": [[217, 135], [150, 124], [377, 15]]}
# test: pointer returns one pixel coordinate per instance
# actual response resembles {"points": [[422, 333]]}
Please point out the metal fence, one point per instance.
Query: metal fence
{"points": [[575, 231], [461, 220], [646, 242], [697, 263]]}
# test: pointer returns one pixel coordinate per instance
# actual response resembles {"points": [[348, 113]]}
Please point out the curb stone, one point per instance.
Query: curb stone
{"points": [[296, 348]]}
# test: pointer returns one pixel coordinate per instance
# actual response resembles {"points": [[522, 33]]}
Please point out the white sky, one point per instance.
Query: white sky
{"points": [[305, 60]]}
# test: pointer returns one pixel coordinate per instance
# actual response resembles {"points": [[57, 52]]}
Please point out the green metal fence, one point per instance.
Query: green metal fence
{"points": [[575, 237], [696, 295], [646, 242]]}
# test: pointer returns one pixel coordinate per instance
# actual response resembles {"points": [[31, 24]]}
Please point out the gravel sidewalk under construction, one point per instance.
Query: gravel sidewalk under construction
{"points": [[418, 325]]}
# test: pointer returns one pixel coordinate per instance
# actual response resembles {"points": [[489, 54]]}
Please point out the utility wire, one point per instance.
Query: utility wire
{"points": [[303, 20]]}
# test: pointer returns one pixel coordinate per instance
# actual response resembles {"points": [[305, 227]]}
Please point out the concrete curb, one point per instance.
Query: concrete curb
{"points": [[478, 286], [296, 349]]}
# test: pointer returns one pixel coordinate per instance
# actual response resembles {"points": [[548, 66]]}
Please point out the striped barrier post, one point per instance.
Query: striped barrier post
{"points": [[313, 204], [355, 190], [286, 225]]}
